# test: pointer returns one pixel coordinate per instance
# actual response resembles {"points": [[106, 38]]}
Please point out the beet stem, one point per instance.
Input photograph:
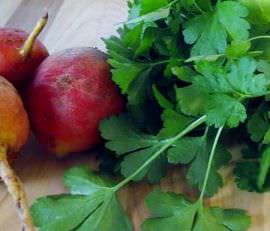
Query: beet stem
{"points": [[15, 188], [29, 42]]}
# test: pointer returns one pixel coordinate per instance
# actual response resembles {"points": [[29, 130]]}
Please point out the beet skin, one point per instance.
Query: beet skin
{"points": [[71, 93], [13, 66]]}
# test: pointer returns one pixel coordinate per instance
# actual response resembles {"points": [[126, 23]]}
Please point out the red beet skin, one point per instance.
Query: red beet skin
{"points": [[13, 66], [71, 93]]}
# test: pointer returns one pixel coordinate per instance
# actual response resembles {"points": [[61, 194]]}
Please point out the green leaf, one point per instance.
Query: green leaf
{"points": [[237, 49], [240, 78], [183, 73], [173, 212], [70, 211], [190, 101], [257, 127], [264, 67], [154, 172], [259, 11], [162, 101], [123, 136], [209, 32], [264, 168], [173, 122], [126, 139], [108, 216], [148, 6], [266, 138], [223, 110], [92, 205], [152, 16], [195, 151]]}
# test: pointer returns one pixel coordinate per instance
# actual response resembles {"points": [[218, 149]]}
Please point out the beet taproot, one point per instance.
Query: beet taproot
{"points": [[21, 53], [14, 133], [72, 91]]}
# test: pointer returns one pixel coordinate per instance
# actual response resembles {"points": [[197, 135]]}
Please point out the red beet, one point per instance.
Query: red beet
{"points": [[21, 53], [71, 93]]}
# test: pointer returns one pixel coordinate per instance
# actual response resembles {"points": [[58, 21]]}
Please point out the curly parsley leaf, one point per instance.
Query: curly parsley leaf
{"points": [[195, 151], [174, 211], [91, 205], [210, 31]]}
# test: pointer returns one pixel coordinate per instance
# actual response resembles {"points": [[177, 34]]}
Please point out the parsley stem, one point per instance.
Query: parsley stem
{"points": [[259, 37], [188, 129], [210, 162], [198, 7], [164, 62]]}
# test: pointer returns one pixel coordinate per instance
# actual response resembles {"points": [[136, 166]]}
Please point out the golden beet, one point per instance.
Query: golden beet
{"points": [[14, 132]]}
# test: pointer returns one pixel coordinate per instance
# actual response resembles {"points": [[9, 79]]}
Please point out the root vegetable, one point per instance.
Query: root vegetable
{"points": [[20, 53], [71, 93], [14, 132]]}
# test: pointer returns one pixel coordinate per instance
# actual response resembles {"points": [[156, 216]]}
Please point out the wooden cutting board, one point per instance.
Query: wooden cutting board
{"points": [[82, 23]]}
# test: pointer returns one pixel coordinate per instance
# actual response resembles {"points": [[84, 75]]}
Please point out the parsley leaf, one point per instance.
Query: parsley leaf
{"points": [[162, 101], [91, 205], [252, 172], [259, 11], [195, 151], [224, 109], [257, 127], [218, 92], [150, 12], [173, 122], [126, 139], [174, 211], [132, 77], [209, 32]]}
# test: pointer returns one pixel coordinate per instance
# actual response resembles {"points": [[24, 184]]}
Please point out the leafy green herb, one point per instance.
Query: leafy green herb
{"points": [[187, 68], [195, 150], [171, 210], [210, 31], [91, 205]]}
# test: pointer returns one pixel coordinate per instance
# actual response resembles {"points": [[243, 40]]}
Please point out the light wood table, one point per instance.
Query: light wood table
{"points": [[83, 23]]}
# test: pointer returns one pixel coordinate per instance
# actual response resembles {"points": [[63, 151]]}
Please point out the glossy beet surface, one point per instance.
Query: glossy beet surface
{"points": [[71, 93], [13, 66]]}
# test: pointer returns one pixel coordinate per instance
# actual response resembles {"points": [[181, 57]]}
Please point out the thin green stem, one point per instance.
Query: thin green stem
{"points": [[198, 7], [169, 142], [259, 37], [210, 162], [165, 61]]}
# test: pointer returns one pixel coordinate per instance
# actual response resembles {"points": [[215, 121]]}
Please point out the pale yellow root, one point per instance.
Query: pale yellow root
{"points": [[15, 188]]}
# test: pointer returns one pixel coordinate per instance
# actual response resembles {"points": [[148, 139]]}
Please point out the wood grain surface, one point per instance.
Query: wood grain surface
{"points": [[82, 23]]}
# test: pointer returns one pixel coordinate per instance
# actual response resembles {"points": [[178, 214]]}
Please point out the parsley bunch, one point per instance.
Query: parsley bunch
{"points": [[193, 71]]}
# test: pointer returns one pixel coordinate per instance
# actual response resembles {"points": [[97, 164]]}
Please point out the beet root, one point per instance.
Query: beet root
{"points": [[14, 132], [21, 53], [71, 93]]}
